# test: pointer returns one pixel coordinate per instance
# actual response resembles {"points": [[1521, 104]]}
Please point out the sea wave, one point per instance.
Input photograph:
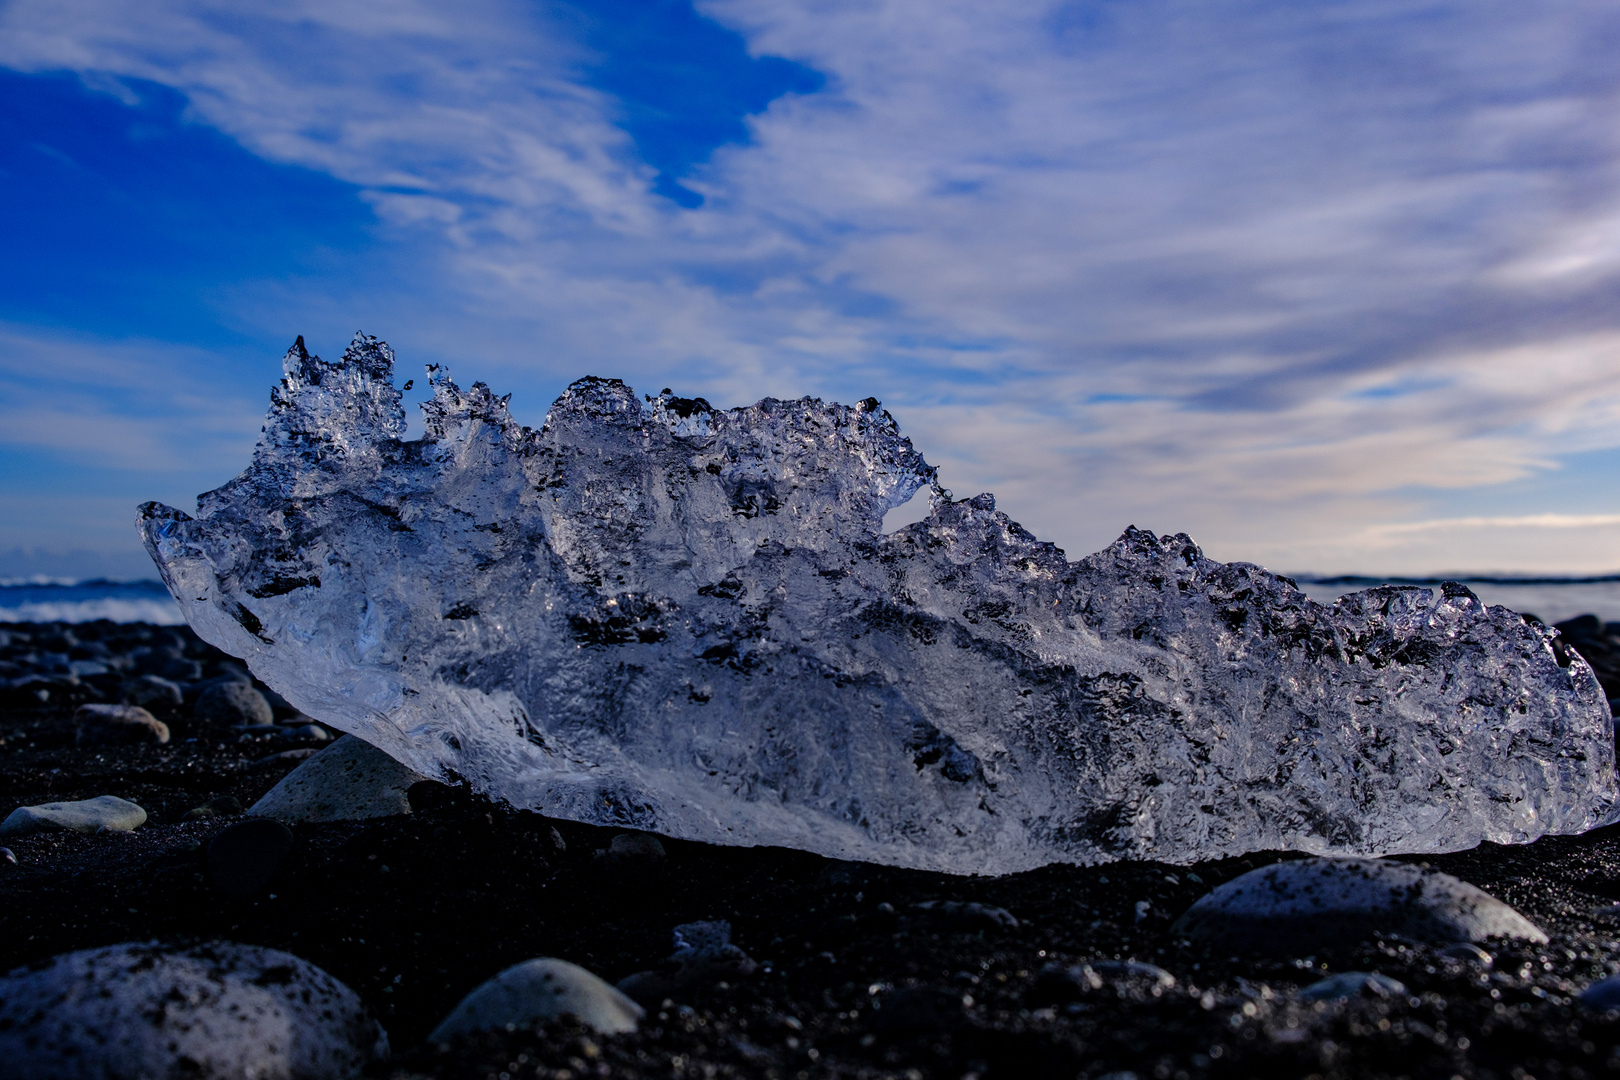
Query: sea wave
{"points": [[156, 612], [54, 600]]}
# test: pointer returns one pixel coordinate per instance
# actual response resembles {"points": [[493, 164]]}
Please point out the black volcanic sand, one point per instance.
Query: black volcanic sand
{"points": [[414, 911]]}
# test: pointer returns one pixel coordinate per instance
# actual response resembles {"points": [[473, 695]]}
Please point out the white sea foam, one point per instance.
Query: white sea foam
{"points": [[157, 612]]}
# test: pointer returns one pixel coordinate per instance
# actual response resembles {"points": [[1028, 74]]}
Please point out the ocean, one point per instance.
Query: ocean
{"points": [[58, 600]]}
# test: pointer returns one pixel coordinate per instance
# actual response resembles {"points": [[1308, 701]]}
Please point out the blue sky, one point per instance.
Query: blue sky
{"points": [[1329, 287]]}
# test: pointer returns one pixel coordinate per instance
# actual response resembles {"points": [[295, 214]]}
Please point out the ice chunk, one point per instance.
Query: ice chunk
{"points": [[655, 614]]}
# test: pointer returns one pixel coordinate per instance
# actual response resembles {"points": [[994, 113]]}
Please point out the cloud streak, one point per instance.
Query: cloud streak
{"points": [[1286, 277]]}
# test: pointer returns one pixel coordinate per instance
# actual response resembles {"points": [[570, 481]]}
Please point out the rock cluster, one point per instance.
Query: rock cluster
{"points": [[142, 684]]}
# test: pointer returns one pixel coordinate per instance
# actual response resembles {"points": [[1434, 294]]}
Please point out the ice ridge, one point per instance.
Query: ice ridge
{"points": [[657, 614]]}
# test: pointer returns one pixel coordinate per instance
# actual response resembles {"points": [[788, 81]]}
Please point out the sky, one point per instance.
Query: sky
{"points": [[1331, 287]]}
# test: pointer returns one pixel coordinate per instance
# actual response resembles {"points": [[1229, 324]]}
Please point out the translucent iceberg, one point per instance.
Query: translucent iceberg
{"points": [[656, 614]]}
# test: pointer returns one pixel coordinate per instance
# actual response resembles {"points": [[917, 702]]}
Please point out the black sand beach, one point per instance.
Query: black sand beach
{"points": [[853, 980]]}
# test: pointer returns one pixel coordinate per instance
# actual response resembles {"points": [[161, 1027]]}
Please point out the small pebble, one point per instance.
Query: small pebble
{"points": [[153, 691], [118, 724], [8, 857], [223, 806], [104, 813], [703, 956], [536, 990], [232, 704], [216, 1011], [244, 858], [1351, 984]]}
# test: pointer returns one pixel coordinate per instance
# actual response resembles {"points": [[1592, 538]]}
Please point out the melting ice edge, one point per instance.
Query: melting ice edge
{"points": [[660, 615]]}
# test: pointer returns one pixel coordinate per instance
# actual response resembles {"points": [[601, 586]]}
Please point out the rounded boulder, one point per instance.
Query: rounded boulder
{"points": [[537, 990], [1314, 906], [230, 704], [209, 1012]]}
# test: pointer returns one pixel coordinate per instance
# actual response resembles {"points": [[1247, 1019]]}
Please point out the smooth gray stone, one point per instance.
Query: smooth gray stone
{"points": [[347, 781], [1351, 984], [118, 724], [1311, 906], [150, 690], [87, 815], [230, 703], [537, 990], [216, 1011]]}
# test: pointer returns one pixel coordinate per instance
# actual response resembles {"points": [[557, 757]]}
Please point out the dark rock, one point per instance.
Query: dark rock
{"points": [[917, 1010], [1057, 984], [245, 857], [118, 724], [153, 692], [181, 670], [1602, 996], [216, 1011], [429, 794], [960, 915], [1316, 906], [223, 806], [632, 853], [704, 956], [1351, 984], [232, 704]]}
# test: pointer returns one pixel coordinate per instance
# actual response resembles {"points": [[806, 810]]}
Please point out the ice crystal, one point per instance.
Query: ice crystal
{"points": [[661, 615]]}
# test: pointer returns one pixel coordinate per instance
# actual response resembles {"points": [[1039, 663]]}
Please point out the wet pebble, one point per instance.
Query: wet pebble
{"points": [[8, 858], [1351, 984], [537, 990], [1313, 906], [223, 806], [244, 858], [961, 915], [704, 956], [118, 724], [230, 703], [210, 1012], [105, 812], [153, 691]]}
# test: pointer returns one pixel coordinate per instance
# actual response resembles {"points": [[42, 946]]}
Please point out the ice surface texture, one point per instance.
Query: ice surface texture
{"points": [[660, 615]]}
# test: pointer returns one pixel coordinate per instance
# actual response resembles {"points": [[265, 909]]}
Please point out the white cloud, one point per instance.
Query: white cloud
{"points": [[1264, 273]]}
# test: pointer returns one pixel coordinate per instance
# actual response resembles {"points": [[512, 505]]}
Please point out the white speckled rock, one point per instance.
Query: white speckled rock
{"points": [[536, 990], [1316, 905], [88, 815], [349, 780], [211, 1012]]}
